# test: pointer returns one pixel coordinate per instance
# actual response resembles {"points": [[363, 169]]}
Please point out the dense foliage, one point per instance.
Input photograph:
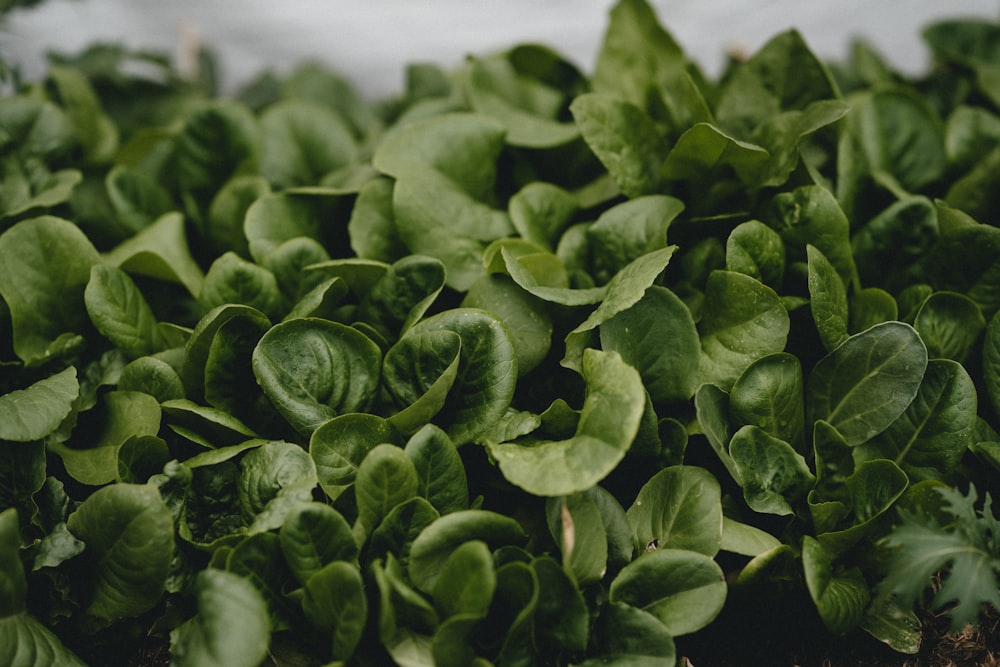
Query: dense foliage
{"points": [[527, 366]]}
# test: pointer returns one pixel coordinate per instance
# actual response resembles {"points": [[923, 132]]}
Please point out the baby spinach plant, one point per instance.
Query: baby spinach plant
{"points": [[526, 366]]}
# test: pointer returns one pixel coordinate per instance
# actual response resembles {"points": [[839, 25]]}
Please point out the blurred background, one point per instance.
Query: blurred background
{"points": [[371, 41]]}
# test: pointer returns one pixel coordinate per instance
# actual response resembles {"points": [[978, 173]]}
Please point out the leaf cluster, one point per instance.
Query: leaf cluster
{"points": [[525, 366]]}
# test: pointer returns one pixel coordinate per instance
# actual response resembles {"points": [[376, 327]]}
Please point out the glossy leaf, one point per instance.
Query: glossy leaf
{"points": [[313, 370]]}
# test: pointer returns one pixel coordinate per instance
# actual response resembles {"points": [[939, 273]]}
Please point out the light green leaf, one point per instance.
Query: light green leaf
{"points": [[704, 149], [34, 412], [46, 267], [121, 313], [576, 525], [160, 251], [683, 589], [300, 142], [608, 424], [679, 507]]}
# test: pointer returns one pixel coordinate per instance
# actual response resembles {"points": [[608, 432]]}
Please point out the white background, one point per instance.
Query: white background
{"points": [[370, 41]]}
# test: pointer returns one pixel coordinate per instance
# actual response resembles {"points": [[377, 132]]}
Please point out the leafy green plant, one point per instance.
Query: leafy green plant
{"points": [[527, 366]]}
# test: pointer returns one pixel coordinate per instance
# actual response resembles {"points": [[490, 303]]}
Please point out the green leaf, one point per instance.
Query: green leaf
{"points": [[635, 54], [231, 626], [757, 250], [703, 149], [419, 372], [129, 535], [441, 476], [339, 445], [313, 370], [314, 535], [300, 142], [92, 458], [561, 614], [712, 410], [467, 581], [625, 635], [841, 597], [270, 469], [526, 317], [540, 211], [576, 525], [679, 507], [160, 251], [385, 479], [198, 347], [866, 383], [487, 371], [336, 604], [669, 372], [624, 290], [527, 107], [626, 141], [461, 146], [437, 541], [810, 215], [46, 267], [34, 412], [684, 590], [770, 395], [929, 439], [233, 280], [627, 231], [608, 424], [121, 313], [13, 585], [742, 321], [137, 199], [276, 218], [784, 75], [774, 476], [950, 325], [965, 260], [218, 140], [827, 300]]}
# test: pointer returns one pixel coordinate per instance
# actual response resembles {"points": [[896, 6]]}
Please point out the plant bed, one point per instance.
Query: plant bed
{"points": [[528, 366]]}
